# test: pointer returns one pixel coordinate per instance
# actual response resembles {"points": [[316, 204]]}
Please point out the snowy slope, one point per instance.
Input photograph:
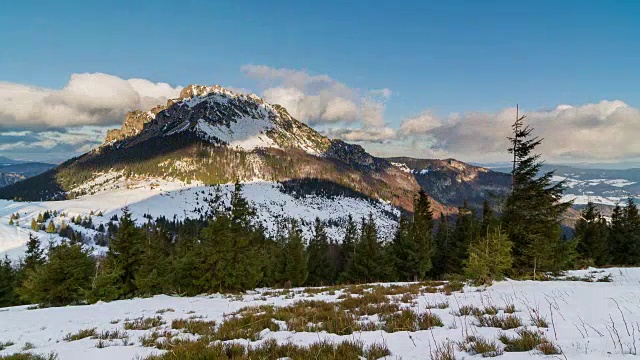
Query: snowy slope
{"points": [[158, 197], [581, 320]]}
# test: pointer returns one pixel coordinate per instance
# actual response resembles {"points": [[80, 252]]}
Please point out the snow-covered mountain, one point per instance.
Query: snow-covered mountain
{"points": [[168, 160]]}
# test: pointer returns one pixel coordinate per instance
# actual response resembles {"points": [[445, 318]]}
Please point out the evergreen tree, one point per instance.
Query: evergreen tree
{"points": [[34, 225], [63, 279], [294, 260], [422, 235], [11, 222], [321, 269], [624, 235], [489, 257], [442, 258], [51, 228], [465, 232], [8, 283], [347, 249], [154, 272], [533, 211], [405, 251], [124, 255], [489, 218], [368, 254], [591, 232], [34, 255]]}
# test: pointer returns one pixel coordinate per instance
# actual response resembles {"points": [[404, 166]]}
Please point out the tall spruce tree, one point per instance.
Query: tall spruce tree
{"points": [[442, 263], [422, 234], [466, 230], [294, 260], [153, 276], [8, 283], [624, 234], [321, 268], [34, 255], [368, 254], [125, 254], [591, 232], [404, 251], [533, 211], [347, 249]]}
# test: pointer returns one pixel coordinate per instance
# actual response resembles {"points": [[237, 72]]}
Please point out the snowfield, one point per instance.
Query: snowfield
{"points": [[586, 320], [157, 197]]}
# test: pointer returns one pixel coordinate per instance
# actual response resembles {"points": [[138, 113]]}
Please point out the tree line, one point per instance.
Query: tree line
{"points": [[228, 250]]}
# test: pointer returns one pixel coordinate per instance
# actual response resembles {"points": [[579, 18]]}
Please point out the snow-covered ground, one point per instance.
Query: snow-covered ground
{"points": [[587, 320], [158, 197]]}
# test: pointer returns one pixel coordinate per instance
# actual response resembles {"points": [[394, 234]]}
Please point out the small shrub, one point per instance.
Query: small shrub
{"points": [[80, 335], [111, 335], [428, 320], [28, 346], [376, 351], [444, 351], [503, 322], [548, 348], [538, 320], [526, 340], [6, 344], [405, 320], [475, 345], [195, 327], [162, 311], [467, 310], [441, 305], [509, 309], [29, 356], [143, 323]]}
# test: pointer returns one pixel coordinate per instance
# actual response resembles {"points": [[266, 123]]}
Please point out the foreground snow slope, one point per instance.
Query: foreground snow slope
{"points": [[581, 317], [173, 198]]}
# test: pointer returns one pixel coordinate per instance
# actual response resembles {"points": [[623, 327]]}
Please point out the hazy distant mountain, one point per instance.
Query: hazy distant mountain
{"points": [[12, 171]]}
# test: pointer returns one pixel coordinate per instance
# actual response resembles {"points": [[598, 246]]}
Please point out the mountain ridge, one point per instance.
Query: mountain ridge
{"points": [[212, 135]]}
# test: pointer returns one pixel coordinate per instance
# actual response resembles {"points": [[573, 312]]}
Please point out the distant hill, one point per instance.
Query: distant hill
{"points": [[12, 171], [453, 182]]}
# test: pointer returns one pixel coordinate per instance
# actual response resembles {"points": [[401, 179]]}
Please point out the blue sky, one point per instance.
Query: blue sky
{"points": [[440, 58]]}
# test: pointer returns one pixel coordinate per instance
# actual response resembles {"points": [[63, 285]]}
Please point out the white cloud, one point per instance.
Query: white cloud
{"points": [[362, 135], [602, 131], [320, 99], [87, 99]]}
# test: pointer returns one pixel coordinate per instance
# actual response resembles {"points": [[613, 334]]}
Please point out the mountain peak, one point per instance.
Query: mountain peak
{"points": [[220, 116]]}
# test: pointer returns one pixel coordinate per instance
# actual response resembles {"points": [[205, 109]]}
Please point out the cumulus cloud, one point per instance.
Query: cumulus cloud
{"points": [[379, 135], [601, 131], [87, 99], [319, 99]]}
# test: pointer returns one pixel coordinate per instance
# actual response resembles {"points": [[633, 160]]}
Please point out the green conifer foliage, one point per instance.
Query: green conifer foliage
{"points": [[533, 211], [294, 260], [321, 268], [592, 234], [368, 254], [51, 228], [8, 283], [489, 257], [65, 278]]}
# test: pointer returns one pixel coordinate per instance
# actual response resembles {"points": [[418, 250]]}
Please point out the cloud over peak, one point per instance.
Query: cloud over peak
{"points": [[87, 99], [319, 99]]}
